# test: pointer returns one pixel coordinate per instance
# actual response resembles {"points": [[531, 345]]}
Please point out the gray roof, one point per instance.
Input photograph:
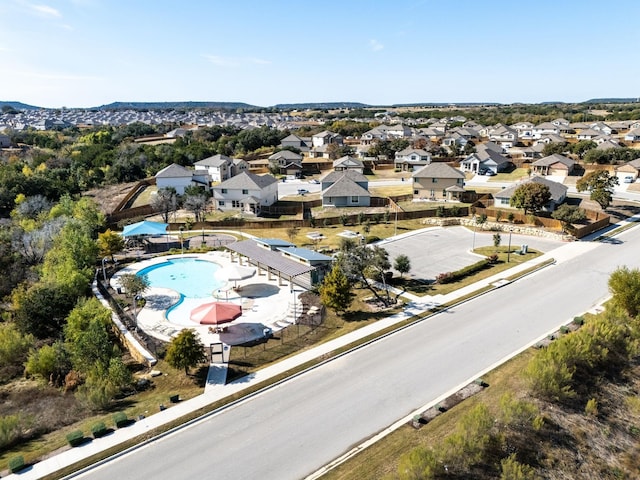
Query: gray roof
{"points": [[345, 187], [438, 170], [558, 190], [305, 253], [174, 171], [350, 174], [286, 154], [270, 258], [215, 161], [348, 161], [555, 158], [246, 180]]}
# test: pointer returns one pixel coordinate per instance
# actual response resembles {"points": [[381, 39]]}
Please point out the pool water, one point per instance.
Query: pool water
{"points": [[192, 277]]}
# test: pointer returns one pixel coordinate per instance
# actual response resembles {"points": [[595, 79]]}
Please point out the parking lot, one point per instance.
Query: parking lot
{"points": [[438, 249]]}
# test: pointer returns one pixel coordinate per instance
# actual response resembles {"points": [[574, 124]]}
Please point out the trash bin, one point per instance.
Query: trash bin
{"points": [[524, 248]]}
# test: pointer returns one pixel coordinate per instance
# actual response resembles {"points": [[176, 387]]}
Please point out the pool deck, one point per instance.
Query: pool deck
{"points": [[265, 305]]}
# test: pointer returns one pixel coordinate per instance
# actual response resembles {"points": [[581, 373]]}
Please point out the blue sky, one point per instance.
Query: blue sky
{"points": [[82, 53]]}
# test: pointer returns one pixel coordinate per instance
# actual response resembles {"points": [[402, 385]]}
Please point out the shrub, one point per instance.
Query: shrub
{"points": [[591, 408], [12, 428], [16, 464], [344, 219], [325, 223], [120, 419], [440, 211], [360, 218], [578, 321], [454, 211], [99, 430], [493, 259], [174, 398], [75, 438], [373, 239], [564, 329], [312, 221], [444, 278]]}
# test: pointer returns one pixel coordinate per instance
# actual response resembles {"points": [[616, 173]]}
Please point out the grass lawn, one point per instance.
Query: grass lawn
{"points": [[144, 197], [513, 176], [391, 190]]}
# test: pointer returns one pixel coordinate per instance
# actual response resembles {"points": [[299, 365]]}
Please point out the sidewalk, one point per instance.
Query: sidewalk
{"points": [[218, 391]]}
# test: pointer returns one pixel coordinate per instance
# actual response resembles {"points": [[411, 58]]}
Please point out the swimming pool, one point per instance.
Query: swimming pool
{"points": [[191, 277]]}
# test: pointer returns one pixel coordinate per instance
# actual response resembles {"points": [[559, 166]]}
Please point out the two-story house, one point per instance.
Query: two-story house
{"points": [[348, 163], [411, 159], [438, 181], [178, 177], [286, 162], [246, 192], [220, 167]]}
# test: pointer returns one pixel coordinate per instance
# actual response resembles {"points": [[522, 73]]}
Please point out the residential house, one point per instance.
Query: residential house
{"points": [[348, 163], [286, 162], [545, 128], [629, 169], [504, 136], [485, 158], [326, 138], [283, 259], [524, 129], [301, 143], [550, 138], [556, 164], [246, 192], [438, 181], [558, 193], [608, 144], [411, 159], [588, 134], [632, 135], [602, 128], [348, 188], [5, 141], [220, 167], [385, 132], [179, 177]]}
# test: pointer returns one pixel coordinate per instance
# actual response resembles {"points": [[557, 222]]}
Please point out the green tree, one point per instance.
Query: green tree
{"points": [[87, 335], [134, 285], [511, 469], [624, 285], [185, 351], [497, 239], [110, 243], [568, 215], [14, 347], [359, 263], [335, 291], [292, 233], [531, 197], [196, 203], [49, 363], [600, 184], [402, 264]]}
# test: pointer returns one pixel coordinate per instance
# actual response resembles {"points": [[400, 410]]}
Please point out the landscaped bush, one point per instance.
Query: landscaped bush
{"points": [[16, 464], [75, 438], [120, 419], [372, 239], [99, 430], [450, 277]]}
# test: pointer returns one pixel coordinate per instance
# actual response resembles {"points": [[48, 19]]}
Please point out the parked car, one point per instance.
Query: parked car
{"points": [[628, 179], [302, 191], [489, 173]]}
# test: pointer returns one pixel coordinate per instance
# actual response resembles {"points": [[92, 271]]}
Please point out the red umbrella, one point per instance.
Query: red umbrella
{"points": [[215, 313]]}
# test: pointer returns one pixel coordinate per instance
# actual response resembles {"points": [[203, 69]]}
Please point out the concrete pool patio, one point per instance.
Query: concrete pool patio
{"points": [[268, 305]]}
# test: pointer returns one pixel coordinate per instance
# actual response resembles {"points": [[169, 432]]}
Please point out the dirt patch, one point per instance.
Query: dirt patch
{"points": [[108, 198], [448, 403]]}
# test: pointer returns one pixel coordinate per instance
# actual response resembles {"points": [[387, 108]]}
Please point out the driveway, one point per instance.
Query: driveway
{"points": [[438, 249]]}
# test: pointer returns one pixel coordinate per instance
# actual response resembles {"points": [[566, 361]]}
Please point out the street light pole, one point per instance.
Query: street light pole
{"points": [[104, 272], [181, 240], [509, 248]]}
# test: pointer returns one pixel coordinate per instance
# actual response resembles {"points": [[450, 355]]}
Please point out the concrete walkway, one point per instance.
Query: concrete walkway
{"points": [[217, 391]]}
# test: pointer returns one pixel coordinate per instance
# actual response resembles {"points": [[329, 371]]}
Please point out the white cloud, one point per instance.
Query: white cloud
{"points": [[234, 62], [44, 10], [375, 45]]}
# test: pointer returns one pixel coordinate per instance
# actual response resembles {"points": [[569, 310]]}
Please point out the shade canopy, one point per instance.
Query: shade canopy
{"points": [[216, 313], [145, 228], [238, 272]]}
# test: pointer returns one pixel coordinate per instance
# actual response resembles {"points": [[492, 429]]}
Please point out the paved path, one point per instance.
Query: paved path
{"points": [[562, 254]]}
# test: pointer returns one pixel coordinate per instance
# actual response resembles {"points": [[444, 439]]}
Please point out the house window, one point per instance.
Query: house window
{"points": [[245, 192], [224, 190], [434, 180], [415, 192], [235, 204], [504, 201], [354, 199], [220, 203]]}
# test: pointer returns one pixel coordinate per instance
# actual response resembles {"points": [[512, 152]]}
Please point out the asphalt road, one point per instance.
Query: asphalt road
{"points": [[293, 429]]}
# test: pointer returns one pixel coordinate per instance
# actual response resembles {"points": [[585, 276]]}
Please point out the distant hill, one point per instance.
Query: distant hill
{"points": [[613, 100], [18, 105], [174, 105], [319, 105]]}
